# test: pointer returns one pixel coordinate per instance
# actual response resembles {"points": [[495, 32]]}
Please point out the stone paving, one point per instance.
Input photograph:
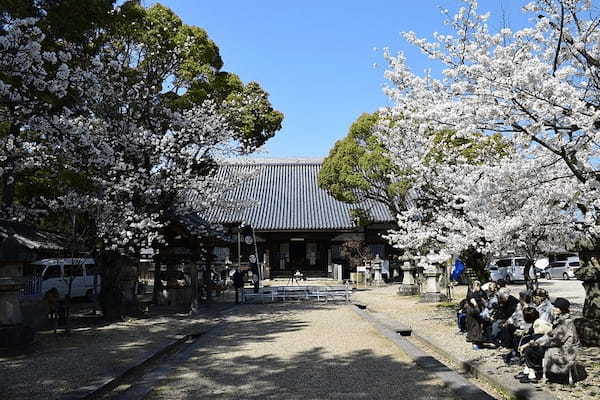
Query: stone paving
{"points": [[437, 323]]}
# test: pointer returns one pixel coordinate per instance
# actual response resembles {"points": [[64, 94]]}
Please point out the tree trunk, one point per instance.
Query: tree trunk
{"points": [[117, 296], [588, 327], [476, 262]]}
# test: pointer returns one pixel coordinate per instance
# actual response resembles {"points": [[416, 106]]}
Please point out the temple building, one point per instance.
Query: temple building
{"points": [[297, 224]]}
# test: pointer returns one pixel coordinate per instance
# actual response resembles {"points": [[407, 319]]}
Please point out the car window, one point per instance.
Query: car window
{"points": [[557, 265], [574, 264], [73, 270], [33, 269], [53, 271], [503, 263], [520, 261]]}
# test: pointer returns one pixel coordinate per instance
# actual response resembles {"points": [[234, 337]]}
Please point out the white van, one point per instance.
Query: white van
{"points": [[58, 273], [562, 269], [512, 269]]}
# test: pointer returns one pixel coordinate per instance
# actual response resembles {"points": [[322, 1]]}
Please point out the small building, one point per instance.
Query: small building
{"points": [[21, 307], [297, 224]]}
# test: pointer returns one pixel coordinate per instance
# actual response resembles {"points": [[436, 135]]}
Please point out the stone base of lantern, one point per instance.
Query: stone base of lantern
{"points": [[408, 290], [14, 336], [433, 297], [176, 296]]}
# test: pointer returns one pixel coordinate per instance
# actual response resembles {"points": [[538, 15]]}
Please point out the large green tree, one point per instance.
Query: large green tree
{"points": [[179, 60], [187, 66], [358, 168]]}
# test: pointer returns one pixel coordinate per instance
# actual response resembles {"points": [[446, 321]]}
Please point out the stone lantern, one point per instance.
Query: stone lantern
{"points": [[12, 330], [431, 291], [409, 286], [377, 264]]}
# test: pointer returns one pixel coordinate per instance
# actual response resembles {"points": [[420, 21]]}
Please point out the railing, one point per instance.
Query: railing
{"points": [[284, 293], [33, 287]]}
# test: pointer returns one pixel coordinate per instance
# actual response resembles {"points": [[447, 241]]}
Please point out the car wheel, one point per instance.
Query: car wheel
{"points": [[548, 276], [508, 280], [566, 276]]}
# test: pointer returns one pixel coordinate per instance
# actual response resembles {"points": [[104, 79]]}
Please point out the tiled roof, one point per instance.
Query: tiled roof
{"points": [[285, 195], [30, 237]]}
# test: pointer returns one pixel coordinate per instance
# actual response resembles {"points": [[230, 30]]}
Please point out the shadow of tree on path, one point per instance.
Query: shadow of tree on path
{"points": [[214, 370]]}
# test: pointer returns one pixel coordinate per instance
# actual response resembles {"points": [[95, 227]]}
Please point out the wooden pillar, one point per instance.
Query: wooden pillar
{"points": [[266, 260], [194, 306]]}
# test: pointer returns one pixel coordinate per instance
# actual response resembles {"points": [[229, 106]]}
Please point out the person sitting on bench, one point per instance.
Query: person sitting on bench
{"points": [[559, 346]]}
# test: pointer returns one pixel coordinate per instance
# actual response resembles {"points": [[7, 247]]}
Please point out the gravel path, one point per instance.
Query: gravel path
{"points": [[58, 364], [439, 326], [297, 351]]}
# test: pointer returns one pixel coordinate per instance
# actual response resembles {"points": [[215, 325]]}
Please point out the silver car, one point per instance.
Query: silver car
{"points": [[561, 269]]}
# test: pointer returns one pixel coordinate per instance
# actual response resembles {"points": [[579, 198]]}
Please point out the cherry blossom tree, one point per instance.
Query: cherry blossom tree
{"points": [[31, 82], [539, 88], [146, 163], [139, 140]]}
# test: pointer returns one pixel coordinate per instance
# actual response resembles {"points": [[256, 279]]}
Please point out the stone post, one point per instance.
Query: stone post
{"points": [[408, 287], [431, 291], [12, 331]]}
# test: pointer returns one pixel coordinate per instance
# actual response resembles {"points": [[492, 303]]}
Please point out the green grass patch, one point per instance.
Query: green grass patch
{"points": [[447, 304]]}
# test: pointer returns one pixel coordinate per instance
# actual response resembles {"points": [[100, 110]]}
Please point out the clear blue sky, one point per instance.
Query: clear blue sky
{"points": [[315, 58]]}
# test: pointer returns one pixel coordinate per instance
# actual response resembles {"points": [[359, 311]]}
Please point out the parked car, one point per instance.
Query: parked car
{"points": [[59, 272], [495, 274], [562, 269], [511, 269]]}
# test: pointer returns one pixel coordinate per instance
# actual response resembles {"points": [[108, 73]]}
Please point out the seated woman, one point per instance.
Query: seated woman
{"points": [[516, 322], [543, 305], [461, 316], [556, 351], [507, 305], [474, 323], [533, 355], [521, 335]]}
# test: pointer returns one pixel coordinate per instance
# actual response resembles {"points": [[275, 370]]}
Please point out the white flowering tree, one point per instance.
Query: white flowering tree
{"points": [[32, 81], [539, 88], [134, 134]]}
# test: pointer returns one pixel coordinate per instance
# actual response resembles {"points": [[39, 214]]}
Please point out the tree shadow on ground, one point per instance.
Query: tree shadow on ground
{"points": [[214, 371], [60, 363]]}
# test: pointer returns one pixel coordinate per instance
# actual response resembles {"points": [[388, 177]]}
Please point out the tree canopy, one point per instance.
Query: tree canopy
{"points": [[358, 167]]}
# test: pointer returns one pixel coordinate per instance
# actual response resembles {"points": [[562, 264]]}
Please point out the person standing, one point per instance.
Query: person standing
{"points": [[255, 273], [238, 283]]}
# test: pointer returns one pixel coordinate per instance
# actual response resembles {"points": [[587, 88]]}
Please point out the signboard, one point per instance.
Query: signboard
{"points": [[248, 251]]}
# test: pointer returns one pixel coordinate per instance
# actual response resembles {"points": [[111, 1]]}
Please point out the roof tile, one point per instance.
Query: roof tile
{"points": [[287, 197]]}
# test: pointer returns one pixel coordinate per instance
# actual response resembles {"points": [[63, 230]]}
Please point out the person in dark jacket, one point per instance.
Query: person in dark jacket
{"points": [[474, 324], [238, 283], [507, 305], [461, 316]]}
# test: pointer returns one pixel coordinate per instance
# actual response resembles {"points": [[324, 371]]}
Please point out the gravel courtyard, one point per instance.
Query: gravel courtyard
{"points": [[297, 351]]}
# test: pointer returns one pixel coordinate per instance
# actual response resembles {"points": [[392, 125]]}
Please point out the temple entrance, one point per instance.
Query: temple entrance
{"points": [[297, 254]]}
